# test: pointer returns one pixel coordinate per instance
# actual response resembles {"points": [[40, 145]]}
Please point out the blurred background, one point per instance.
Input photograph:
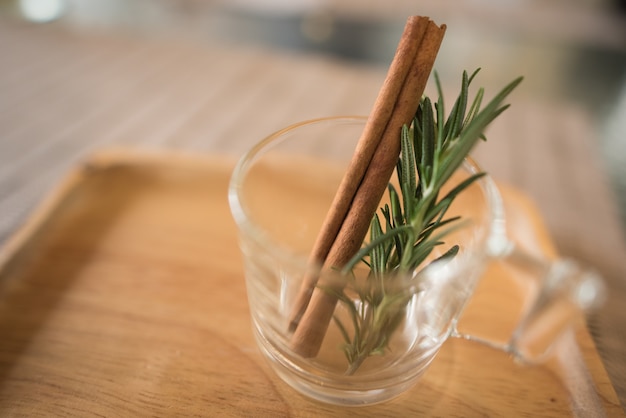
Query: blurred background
{"points": [[215, 76], [571, 52]]}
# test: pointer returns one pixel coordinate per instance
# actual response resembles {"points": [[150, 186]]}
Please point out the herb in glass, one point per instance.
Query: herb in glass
{"points": [[414, 221]]}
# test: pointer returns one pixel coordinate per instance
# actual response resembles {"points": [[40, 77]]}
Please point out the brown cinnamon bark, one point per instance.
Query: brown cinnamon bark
{"points": [[399, 69], [359, 194]]}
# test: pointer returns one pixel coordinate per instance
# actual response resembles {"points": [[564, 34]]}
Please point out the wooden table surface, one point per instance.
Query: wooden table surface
{"points": [[124, 296], [65, 93]]}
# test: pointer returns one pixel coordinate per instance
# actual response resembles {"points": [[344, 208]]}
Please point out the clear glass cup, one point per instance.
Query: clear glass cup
{"points": [[280, 193]]}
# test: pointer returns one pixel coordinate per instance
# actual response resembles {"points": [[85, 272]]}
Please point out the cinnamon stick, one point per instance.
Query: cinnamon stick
{"points": [[383, 137], [399, 69]]}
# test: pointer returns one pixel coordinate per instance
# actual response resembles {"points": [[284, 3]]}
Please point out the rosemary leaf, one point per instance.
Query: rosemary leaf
{"points": [[414, 221]]}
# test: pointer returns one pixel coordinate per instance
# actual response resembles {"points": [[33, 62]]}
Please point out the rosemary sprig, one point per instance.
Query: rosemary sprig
{"points": [[414, 222]]}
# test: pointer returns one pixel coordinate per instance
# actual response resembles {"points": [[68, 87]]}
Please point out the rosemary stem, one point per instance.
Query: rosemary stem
{"points": [[415, 221]]}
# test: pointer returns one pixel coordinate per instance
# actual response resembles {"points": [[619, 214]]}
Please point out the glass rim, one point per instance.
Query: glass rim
{"points": [[496, 237]]}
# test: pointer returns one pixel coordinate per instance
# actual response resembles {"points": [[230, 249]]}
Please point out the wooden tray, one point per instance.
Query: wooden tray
{"points": [[124, 296]]}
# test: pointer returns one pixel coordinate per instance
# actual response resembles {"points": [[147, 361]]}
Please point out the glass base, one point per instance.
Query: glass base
{"points": [[341, 392], [343, 397]]}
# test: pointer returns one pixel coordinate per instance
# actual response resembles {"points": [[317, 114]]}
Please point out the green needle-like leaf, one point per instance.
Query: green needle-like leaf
{"points": [[428, 131], [415, 220]]}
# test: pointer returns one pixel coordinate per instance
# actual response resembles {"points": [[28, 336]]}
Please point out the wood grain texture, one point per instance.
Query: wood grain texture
{"points": [[66, 93], [125, 297]]}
